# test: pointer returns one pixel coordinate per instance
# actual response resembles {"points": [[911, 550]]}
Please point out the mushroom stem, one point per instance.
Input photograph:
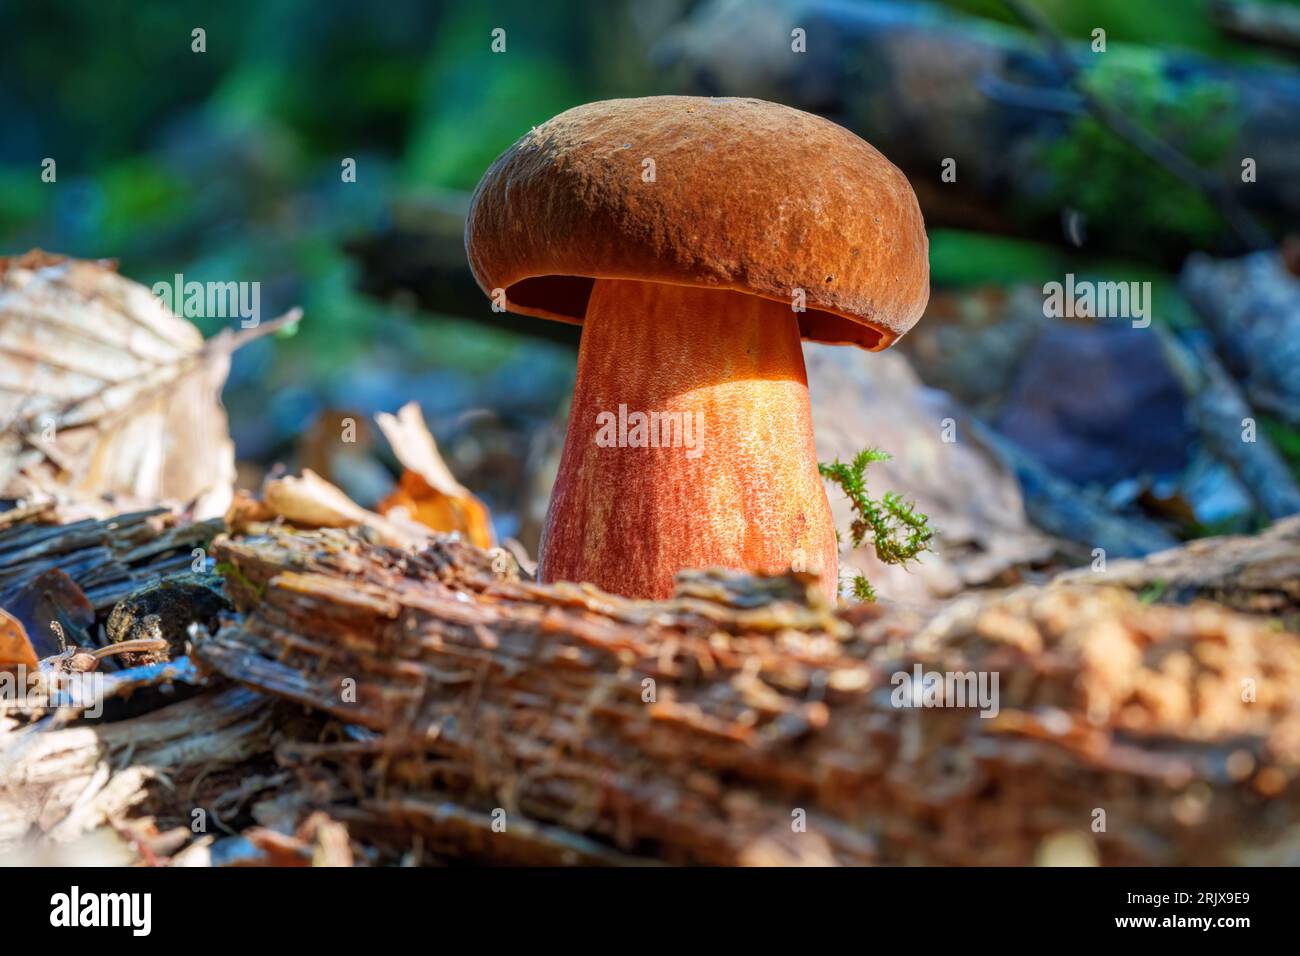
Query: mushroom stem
{"points": [[690, 444]]}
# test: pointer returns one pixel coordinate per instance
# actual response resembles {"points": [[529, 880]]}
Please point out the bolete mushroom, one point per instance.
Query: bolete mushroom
{"points": [[697, 241]]}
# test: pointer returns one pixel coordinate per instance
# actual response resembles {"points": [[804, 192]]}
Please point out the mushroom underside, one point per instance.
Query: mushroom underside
{"points": [[565, 298]]}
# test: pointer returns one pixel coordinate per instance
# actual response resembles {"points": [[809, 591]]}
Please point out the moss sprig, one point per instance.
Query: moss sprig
{"points": [[897, 531]]}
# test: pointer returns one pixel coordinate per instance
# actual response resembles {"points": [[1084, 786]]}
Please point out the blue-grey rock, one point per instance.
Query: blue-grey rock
{"points": [[1097, 403]]}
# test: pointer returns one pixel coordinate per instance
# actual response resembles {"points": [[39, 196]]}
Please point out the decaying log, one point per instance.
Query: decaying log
{"points": [[445, 828], [56, 785], [1257, 574], [107, 559], [746, 721], [1252, 304], [419, 256], [1224, 420]]}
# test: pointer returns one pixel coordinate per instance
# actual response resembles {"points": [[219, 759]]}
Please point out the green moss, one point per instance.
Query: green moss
{"points": [[231, 571], [139, 193], [897, 531], [1153, 592], [1286, 439], [26, 199], [1184, 24], [1114, 184]]}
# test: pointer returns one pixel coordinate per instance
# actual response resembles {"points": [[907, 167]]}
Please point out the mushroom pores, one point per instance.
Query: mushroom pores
{"points": [[697, 240]]}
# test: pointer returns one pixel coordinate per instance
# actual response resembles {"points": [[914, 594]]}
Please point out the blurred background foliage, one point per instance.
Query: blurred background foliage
{"points": [[226, 165]]}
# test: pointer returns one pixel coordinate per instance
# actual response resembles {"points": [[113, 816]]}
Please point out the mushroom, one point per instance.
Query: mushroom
{"points": [[696, 240]]}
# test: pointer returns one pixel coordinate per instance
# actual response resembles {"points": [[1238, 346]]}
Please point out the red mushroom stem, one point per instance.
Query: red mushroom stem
{"points": [[690, 444]]}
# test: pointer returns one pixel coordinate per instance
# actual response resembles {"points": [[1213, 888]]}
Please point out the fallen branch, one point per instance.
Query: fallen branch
{"points": [[1228, 425], [1248, 229]]}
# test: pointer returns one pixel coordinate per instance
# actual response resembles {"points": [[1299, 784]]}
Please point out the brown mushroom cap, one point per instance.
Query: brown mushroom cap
{"points": [[747, 195]]}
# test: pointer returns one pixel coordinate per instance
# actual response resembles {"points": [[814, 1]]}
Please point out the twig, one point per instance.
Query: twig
{"points": [[1242, 222], [232, 340], [137, 645]]}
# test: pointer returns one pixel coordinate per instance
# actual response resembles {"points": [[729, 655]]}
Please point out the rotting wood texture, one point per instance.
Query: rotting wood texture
{"points": [[745, 721]]}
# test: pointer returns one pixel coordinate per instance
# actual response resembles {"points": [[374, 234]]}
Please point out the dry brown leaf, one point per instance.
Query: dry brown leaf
{"points": [[15, 649], [310, 501], [428, 492], [103, 391], [53, 611]]}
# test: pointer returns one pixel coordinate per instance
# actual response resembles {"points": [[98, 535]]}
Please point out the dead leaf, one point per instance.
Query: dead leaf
{"points": [[428, 491], [53, 611], [103, 391], [310, 501], [15, 649], [246, 509]]}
